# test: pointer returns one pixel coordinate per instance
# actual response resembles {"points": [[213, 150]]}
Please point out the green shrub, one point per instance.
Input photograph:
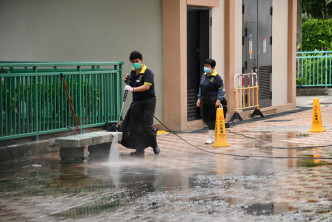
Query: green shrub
{"points": [[317, 35]]}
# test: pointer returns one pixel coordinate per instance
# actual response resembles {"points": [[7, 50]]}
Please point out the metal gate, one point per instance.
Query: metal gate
{"points": [[257, 45]]}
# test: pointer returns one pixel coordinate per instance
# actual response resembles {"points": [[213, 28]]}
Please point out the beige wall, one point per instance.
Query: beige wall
{"points": [[105, 30], [238, 36], [227, 50], [204, 3], [279, 48], [175, 60], [279, 52], [291, 52], [217, 37], [283, 55], [84, 30], [175, 63]]}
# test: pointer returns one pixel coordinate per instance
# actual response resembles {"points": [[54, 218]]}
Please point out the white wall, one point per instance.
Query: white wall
{"points": [[84, 30], [279, 51], [218, 37]]}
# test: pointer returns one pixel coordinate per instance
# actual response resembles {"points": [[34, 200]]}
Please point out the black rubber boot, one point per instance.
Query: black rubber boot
{"points": [[156, 149], [138, 152]]}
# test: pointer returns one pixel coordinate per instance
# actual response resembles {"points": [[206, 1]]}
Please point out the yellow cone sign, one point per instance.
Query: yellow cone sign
{"points": [[317, 124], [220, 139]]}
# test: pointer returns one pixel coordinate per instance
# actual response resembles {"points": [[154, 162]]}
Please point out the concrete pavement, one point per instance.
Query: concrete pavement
{"points": [[274, 170]]}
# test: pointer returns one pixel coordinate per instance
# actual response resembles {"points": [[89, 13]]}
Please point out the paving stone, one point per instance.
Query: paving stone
{"points": [[184, 183]]}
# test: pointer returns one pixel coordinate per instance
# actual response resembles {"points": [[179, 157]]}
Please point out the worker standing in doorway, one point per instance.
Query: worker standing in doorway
{"points": [[137, 127], [211, 95]]}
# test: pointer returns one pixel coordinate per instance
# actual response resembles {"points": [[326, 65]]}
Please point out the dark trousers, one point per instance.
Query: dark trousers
{"points": [[209, 115]]}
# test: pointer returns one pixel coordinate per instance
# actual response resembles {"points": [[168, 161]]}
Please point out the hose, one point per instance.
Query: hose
{"points": [[246, 156]]}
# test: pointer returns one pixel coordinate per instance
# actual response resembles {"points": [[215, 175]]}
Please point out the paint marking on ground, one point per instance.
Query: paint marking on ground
{"points": [[160, 132]]}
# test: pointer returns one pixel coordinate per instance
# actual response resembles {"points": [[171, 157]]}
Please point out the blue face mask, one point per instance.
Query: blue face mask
{"points": [[136, 65], [207, 70]]}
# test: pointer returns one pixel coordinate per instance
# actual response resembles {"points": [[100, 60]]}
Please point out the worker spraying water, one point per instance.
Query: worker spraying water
{"points": [[137, 127]]}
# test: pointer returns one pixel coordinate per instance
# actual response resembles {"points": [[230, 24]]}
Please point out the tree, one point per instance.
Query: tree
{"points": [[317, 9], [299, 24], [317, 35], [311, 9]]}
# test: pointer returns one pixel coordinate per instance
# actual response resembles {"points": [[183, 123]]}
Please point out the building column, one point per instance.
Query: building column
{"points": [[175, 63], [229, 53], [291, 52]]}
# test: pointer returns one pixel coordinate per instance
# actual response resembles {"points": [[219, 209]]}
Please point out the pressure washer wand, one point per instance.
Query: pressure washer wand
{"points": [[123, 100]]}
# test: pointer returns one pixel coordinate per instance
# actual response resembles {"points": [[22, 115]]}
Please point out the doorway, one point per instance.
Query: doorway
{"points": [[198, 49]]}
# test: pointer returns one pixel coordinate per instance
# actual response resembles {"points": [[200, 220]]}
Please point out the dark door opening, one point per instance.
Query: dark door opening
{"points": [[198, 42], [257, 45]]}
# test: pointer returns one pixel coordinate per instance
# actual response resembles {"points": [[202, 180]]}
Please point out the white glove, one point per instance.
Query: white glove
{"points": [[129, 88]]}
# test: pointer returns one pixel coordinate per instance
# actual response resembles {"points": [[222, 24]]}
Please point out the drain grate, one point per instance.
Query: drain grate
{"points": [[279, 120]]}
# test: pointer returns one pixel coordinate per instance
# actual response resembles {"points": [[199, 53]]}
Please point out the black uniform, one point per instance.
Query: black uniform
{"points": [[137, 127], [211, 89]]}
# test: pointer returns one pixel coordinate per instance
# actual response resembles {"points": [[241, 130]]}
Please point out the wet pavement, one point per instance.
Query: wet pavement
{"points": [[267, 174]]}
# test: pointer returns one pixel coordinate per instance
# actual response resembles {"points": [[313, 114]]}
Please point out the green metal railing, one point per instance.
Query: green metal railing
{"points": [[314, 69], [34, 101]]}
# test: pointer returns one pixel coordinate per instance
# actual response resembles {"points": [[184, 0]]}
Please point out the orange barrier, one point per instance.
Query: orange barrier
{"points": [[246, 94]]}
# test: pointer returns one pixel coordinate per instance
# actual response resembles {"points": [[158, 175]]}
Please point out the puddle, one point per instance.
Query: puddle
{"points": [[260, 209], [312, 162], [301, 135], [276, 140], [268, 208]]}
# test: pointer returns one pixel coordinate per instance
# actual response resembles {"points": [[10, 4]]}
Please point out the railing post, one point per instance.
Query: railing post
{"points": [[36, 111], [80, 99], [120, 89], [326, 70], [1, 103], [115, 91], [10, 105], [298, 68]]}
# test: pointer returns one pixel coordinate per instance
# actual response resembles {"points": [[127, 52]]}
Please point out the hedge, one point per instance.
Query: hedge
{"points": [[317, 35]]}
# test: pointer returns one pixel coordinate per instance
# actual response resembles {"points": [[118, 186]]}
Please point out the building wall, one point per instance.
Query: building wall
{"points": [[238, 36], [84, 30], [217, 37], [107, 30], [175, 62], [279, 48], [279, 52]]}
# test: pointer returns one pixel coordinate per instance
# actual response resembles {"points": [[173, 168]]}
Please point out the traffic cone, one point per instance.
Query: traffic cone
{"points": [[220, 139], [317, 124]]}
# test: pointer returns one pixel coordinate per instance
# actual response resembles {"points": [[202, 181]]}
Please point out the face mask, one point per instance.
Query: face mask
{"points": [[136, 65], [207, 70]]}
